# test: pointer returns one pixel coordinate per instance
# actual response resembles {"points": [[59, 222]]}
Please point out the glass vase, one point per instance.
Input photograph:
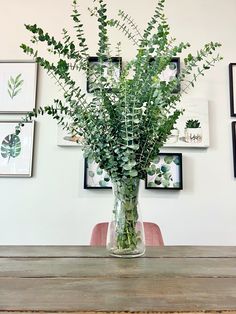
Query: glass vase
{"points": [[125, 236]]}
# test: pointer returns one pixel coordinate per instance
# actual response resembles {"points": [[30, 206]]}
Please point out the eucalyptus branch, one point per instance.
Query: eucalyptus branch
{"points": [[126, 18], [78, 26], [129, 117], [124, 29]]}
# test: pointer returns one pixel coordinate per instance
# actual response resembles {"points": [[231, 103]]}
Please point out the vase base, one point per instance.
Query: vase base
{"points": [[122, 254]]}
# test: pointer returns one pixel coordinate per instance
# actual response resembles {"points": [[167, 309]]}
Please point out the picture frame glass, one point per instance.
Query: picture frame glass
{"points": [[16, 151], [17, 86]]}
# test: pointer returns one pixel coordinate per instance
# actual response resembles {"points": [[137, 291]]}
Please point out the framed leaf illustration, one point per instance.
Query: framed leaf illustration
{"points": [[18, 80], [165, 172], [16, 151], [95, 177]]}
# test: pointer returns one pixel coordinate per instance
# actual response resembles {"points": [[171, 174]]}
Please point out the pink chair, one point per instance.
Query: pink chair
{"points": [[153, 236]]}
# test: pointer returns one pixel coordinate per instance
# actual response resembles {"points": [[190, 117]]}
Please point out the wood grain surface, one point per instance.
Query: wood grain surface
{"points": [[86, 280]]}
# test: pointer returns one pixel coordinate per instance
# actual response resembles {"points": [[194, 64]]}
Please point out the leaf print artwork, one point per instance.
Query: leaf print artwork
{"points": [[15, 85], [11, 146], [165, 172]]}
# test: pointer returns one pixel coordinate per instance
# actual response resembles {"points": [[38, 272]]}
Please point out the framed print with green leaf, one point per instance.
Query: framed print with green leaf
{"points": [[95, 177], [165, 172], [16, 151], [18, 80]]}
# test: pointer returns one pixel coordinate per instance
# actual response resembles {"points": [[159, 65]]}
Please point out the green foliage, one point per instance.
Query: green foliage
{"points": [[194, 124], [11, 146], [125, 127], [14, 85]]}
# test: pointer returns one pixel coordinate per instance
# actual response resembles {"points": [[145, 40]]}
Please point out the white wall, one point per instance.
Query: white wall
{"points": [[53, 208]]}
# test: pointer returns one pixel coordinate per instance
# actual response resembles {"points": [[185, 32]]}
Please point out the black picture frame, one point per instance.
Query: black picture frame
{"points": [[234, 145], [116, 60], [176, 61], [93, 182], [169, 174], [232, 88]]}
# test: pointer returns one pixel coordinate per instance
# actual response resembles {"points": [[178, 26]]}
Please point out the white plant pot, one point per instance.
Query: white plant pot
{"points": [[193, 135]]}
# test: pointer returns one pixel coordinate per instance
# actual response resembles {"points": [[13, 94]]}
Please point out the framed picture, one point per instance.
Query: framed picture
{"points": [[113, 68], [65, 138], [95, 177], [232, 88], [234, 145], [165, 172], [17, 86], [171, 72], [16, 151], [192, 127]]}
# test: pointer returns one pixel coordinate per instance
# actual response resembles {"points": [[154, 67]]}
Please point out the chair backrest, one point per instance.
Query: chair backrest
{"points": [[153, 236]]}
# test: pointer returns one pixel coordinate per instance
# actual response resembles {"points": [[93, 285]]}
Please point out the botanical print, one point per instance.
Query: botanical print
{"points": [[65, 138], [16, 150], [95, 176], [17, 86], [165, 172], [192, 128]]}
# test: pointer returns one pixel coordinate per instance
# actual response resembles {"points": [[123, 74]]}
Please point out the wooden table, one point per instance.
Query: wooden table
{"points": [[85, 279]]}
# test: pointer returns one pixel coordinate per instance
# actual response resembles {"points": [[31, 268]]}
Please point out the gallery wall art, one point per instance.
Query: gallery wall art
{"points": [[165, 172], [18, 81], [95, 177], [16, 151], [192, 127]]}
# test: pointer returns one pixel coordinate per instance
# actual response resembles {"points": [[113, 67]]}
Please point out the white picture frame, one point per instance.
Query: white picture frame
{"points": [[18, 81], [195, 113], [16, 151]]}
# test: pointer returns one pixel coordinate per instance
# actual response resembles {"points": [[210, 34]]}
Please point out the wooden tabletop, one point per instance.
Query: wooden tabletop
{"points": [[83, 279]]}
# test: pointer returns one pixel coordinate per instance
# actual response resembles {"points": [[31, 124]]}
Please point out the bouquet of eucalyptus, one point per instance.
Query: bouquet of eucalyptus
{"points": [[129, 118]]}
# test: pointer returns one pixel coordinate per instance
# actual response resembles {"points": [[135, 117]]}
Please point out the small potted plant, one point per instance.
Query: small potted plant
{"points": [[193, 131]]}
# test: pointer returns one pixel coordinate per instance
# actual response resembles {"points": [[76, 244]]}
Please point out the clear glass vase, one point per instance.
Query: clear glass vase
{"points": [[125, 236]]}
